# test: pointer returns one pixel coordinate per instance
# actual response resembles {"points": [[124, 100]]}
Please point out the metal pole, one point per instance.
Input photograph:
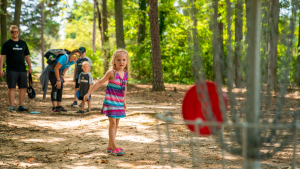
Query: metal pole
{"points": [[254, 32]]}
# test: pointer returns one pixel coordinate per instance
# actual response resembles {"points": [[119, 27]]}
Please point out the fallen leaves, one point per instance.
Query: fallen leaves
{"points": [[31, 160], [101, 161]]}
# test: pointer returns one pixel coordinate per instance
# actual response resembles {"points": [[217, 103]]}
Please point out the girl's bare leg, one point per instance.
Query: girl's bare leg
{"points": [[112, 133]]}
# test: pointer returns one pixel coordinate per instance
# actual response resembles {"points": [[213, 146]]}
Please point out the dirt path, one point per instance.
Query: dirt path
{"points": [[70, 140]]}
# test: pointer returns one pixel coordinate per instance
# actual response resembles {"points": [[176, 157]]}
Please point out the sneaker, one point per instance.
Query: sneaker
{"points": [[74, 104], [117, 152], [22, 108], [80, 111], [12, 109], [55, 109], [88, 111], [61, 109]]}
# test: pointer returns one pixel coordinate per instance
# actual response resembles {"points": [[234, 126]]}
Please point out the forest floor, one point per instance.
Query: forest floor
{"points": [[71, 140]]}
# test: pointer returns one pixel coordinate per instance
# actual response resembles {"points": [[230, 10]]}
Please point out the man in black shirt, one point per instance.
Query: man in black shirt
{"points": [[16, 51]]}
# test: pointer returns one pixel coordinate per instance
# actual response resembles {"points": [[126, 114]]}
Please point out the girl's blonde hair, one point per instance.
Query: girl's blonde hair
{"points": [[116, 53]]}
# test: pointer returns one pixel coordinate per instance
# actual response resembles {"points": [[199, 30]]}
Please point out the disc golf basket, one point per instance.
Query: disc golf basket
{"points": [[252, 123]]}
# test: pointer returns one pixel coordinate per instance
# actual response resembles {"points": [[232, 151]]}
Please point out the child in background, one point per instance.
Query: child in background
{"points": [[85, 81], [114, 104]]}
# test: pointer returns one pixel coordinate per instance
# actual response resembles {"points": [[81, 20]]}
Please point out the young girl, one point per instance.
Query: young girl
{"points": [[114, 104]]}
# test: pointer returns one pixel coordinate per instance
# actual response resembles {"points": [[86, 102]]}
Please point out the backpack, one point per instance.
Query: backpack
{"points": [[52, 54], [30, 90]]}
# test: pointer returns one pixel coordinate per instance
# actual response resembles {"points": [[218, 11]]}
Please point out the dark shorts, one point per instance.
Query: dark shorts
{"points": [[76, 83], [89, 99], [13, 78]]}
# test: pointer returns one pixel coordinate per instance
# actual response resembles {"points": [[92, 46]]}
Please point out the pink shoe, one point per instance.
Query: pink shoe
{"points": [[117, 152], [109, 150]]}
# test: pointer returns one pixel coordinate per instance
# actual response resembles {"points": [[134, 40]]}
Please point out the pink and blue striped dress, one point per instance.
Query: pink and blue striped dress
{"points": [[113, 105]]}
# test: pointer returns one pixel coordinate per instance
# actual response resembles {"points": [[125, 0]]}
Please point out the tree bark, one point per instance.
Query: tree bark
{"points": [[18, 4], [158, 82], [94, 29], [42, 34], [222, 53], [272, 47], [99, 21], [216, 44], [105, 46], [119, 24], [3, 22], [238, 42], [297, 79], [142, 22]]}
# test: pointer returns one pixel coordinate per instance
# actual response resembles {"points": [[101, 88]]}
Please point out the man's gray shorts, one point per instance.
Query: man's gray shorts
{"points": [[13, 78]]}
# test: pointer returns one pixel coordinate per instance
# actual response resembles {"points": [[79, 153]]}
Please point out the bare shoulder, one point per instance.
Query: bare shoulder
{"points": [[110, 74]]}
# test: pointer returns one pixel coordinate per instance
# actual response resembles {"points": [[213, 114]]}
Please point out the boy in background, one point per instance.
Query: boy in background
{"points": [[85, 81], [78, 70]]}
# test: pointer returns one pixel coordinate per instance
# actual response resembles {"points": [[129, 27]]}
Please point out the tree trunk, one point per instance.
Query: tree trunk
{"points": [[3, 21], [141, 34], [272, 47], [158, 82], [94, 29], [162, 16], [119, 24], [18, 4], [297, 79], [105, 46], [42, 34], [142, 22], [222, 53], [99, 21], [216, 44], [238, 42]]}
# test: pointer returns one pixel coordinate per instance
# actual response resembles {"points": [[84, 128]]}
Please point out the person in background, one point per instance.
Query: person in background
{"points": [[56, 77], [85, 81], [78, 70], [16, 51]]}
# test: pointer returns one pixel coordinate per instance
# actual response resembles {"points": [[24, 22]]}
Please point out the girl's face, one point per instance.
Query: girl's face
{"points": [[85, 68], [121, 61]]}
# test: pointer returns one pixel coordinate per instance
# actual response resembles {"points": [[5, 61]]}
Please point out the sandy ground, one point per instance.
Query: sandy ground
{"points": [[71, 140]]}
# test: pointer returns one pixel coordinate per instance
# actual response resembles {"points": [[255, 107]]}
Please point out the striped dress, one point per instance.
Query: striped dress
{"points": [[113, 105]]}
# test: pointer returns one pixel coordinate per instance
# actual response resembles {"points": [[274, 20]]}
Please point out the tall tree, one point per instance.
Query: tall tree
{"points": [[119, 24], [238, 41], [216, 43], [158, 82], [220, 40], [94, 28], [272, 46], [297, 77], [162, 18], [42, 34], [142, 22], [3, 21], [141, 35], [18, 4], [104, 34], [99, 21]]}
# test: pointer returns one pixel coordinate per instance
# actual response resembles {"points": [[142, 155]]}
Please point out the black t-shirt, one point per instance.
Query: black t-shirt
{"points": [[15, 54]]}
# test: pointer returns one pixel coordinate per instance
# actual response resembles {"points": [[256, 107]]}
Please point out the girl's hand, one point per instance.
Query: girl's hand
{"points": [[125, 105], [86, 97], [58, 84]]}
